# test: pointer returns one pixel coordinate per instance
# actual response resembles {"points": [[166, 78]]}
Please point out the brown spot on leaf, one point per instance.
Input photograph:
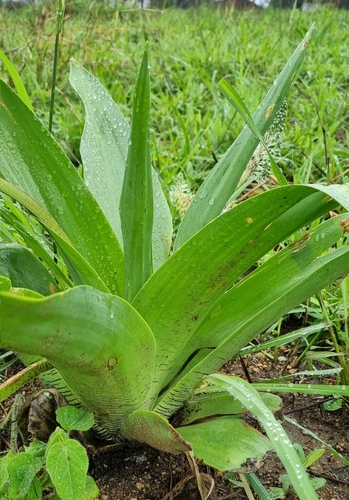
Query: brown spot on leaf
{"points": [[269, 111], [217, 285], [112, 362]]}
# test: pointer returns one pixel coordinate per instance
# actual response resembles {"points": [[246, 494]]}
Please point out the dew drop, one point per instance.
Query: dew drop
{"points": [[202, 194]]}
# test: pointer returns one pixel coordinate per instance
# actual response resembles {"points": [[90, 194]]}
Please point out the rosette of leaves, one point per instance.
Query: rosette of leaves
{"points": [[130, 325]]}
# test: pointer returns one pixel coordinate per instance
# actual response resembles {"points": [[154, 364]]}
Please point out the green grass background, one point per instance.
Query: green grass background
{"points": [[191, 50]]}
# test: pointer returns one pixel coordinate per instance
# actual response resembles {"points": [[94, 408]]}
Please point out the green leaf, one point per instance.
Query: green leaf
{"points": [[258, 300], [104, 144], [318, 482], [217, 403], [4, 476], [5, 284], [243, 391], [97, 335], [314, 436], [36, 448], [339, 192], [213, 259], [33, 162], [147, 427], [104, 149], [17, 80], [235, 100], [285, 481], [223, 179], [136, 203], [322, 390], [287, 338], [72, 418], [35, 490], [258, 487], [334, 405], [22, 224], [58, 436], [25, 270], [22, 469], [91, 489], [254, 294], [162, 225], [277, 493], [11, 385], [67, 464], [313, 457], [81, 270], [225, 443]]}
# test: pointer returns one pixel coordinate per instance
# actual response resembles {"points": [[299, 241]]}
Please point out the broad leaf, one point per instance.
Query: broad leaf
{"points": [[91, 489], [149, 428], [338, 192], [223, 179], [67, 464], [4, 461], [104, 143], [254, 294], [225, 443], [91, 333], [104, 149], [72, 418], [32, 161], [22, 469]]}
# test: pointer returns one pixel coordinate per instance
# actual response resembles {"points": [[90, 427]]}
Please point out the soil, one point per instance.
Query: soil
{"points": [[137, 473]]}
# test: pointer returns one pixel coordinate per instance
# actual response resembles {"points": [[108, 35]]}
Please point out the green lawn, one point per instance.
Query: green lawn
{"points": [[191, 50]]}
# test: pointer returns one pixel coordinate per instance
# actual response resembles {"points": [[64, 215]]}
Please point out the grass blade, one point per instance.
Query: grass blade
{"points": [[59, 23], [250, 398], [316, 437], [235, 100], [17, 80], [26, 375], [322, 390]]}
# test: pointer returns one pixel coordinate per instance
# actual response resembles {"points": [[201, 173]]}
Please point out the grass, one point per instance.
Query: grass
{"points": [[190, 52]]}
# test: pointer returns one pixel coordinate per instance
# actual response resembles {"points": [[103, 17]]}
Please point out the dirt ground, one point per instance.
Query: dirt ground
{"points": [[133, 473]]}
